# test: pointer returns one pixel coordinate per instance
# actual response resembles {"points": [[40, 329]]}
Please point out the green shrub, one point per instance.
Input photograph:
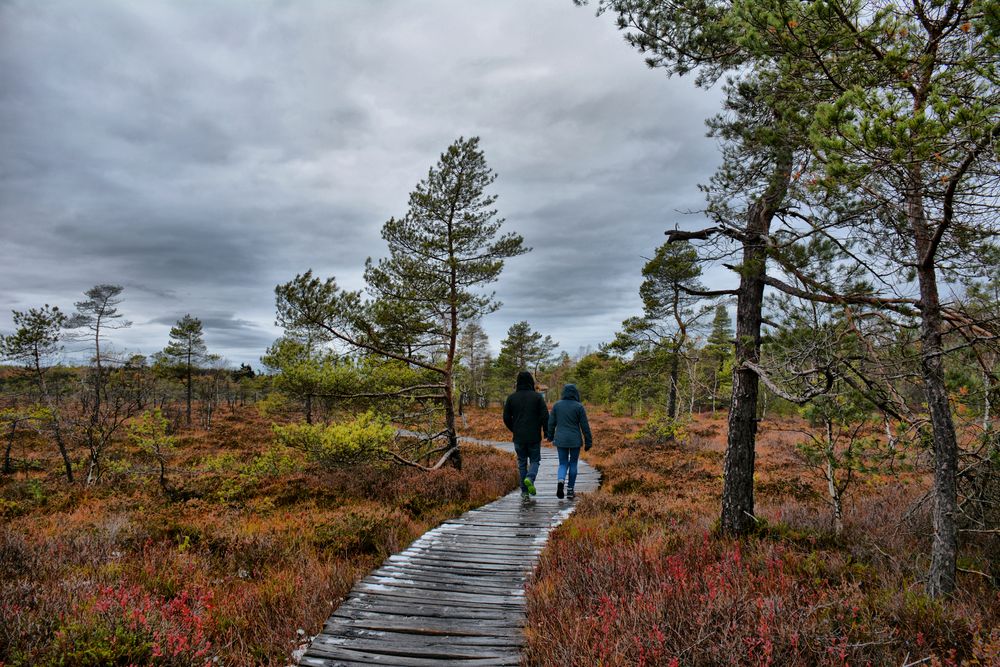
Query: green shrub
{"points": [[364, 530], [274, 462], [661, 429], [365, 439]]}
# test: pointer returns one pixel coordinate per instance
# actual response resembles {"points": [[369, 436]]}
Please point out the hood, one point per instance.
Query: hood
{"points": [[571, 393], [525, 381]]}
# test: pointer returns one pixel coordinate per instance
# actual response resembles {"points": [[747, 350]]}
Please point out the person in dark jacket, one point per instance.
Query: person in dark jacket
{"points": [[525, 415], [567, 423]]}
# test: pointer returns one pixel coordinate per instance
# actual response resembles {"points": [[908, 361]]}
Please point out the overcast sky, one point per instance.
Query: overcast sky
{"points": [[201, 153]]}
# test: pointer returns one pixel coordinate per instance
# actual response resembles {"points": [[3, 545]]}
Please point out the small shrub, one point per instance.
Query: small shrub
{"points": [[124, 625], [364, 439], [661, 429], [274, 462], [363, 530]]}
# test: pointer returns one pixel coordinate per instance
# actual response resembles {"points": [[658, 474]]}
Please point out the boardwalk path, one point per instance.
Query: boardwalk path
{"points": [[456, 596]]}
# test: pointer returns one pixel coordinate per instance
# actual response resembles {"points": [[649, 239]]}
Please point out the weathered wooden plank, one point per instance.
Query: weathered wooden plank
{"points": [[459, 586], [387, 606], [345, 657], [477, 552], [459, 565], [417, 647], [436, 574], [496, 641], [451, 597], [420, 624]]}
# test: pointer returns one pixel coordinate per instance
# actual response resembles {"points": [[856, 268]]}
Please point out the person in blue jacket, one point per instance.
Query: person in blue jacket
{"points": [[567, 423]]}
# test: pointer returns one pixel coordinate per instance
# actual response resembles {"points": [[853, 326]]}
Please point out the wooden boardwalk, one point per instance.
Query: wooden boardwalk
{"points": [[456, 596]]}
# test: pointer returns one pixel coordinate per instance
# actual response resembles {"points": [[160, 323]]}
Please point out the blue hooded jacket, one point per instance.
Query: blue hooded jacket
{"points": [[568, 419]]}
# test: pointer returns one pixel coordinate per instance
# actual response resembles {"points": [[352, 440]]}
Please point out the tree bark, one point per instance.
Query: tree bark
{"points": [[674, 373], [189, 389], [986, 401], [831, 481], [944, 549], [737, 492], [7, 467], [56, 429]]}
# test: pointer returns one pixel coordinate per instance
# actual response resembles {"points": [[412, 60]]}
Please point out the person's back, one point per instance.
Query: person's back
{"points": [[524, 412], [526, 416], [568, 430]]}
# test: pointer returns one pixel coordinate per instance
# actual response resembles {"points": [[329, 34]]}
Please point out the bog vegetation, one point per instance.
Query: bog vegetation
{"points": [[802, 469]]}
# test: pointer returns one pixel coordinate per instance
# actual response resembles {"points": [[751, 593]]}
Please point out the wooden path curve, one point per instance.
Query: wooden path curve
{"points": [[456, 596]]}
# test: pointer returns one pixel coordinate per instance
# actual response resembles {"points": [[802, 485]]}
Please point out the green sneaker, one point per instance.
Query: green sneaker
{"points": [[530, 485]]}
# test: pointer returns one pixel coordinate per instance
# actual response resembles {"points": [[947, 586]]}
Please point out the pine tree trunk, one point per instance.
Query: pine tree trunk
{"points": [[986, 402], [449, 374], [944, 549], [831, 481], [674, 372], [189, 392], [737, 491], [7, 467], [56, 429]]}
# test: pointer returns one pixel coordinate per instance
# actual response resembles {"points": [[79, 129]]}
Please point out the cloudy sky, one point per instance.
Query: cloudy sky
{"points": [[201, 153]]}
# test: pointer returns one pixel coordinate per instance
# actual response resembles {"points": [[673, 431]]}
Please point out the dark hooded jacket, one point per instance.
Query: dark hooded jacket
{"points": [[524, 413], [568, 421]]}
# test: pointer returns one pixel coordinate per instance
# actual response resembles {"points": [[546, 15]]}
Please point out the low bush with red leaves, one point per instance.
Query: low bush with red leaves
{"points": [[637, 575]]}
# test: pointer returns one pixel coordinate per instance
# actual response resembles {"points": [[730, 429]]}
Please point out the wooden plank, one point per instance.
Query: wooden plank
{"points": [[436, 574], [345, 657], [495, 641], [387, 606], [452, 597], [419, 624], [452, 655], [460, 587], [423, 625], [459, 565]]}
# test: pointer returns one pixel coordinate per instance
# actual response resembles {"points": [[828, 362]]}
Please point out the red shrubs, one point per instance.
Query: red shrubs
{"points": [[126, 625], [706, 601], [636, 577]]}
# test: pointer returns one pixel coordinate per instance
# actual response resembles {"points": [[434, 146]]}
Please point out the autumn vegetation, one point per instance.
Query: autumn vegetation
{"points": [[801, 466], [245, 554], [639, 574]]}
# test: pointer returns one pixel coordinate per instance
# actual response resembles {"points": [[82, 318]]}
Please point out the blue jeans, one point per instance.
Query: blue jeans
{"points": [[528, 457], [568, 458]]}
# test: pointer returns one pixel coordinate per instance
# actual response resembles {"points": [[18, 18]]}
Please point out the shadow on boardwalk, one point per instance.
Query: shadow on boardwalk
{"points": [[456, 595]]}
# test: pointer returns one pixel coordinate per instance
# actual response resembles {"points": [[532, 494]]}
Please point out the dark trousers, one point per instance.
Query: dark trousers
{"points": [[528, 458]]}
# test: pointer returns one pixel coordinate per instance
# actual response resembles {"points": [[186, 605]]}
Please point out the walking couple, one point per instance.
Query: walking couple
{"points": [[528, 419]]}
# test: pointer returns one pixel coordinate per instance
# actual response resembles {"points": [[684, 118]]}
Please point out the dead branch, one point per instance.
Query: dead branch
{"points": [[798, 400]]}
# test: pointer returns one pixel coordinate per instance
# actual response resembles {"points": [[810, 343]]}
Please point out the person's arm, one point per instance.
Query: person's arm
{"points": [[543, 417], [508, 415], [550, 432], [588, 439]]}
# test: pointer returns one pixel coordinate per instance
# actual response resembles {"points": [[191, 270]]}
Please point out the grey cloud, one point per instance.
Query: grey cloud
{"points": [[200, 154]]}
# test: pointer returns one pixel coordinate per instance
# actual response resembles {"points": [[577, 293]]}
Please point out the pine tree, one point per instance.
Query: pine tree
{"points": [[441, 253], [523, 349], [94, 317], [187, 350], [669, 292], [36, 339], [719, 349]]}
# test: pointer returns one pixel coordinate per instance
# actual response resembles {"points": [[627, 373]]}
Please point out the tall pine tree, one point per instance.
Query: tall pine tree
{"points": [[442, 253]]}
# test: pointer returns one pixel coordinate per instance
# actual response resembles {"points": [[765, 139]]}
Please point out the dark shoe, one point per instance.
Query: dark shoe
{"points": [[570, 493], [559, 490], [525, 496], [530, 486]]}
